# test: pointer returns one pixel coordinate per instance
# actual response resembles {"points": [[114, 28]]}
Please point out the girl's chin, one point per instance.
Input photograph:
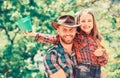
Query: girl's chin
{"points": [[87, 32]]}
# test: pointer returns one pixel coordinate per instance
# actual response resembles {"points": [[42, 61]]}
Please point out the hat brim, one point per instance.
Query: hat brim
{"points": [[55, 25]]}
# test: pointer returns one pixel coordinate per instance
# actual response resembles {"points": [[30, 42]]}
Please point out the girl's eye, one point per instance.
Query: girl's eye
{"points": [[83, 21], [89, 20]]}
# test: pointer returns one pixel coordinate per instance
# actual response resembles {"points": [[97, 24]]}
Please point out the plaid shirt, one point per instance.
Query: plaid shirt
{"points": [[47, 39], [57, 58], [84, 48]]}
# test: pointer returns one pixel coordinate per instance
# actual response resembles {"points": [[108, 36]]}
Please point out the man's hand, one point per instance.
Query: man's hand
{"points": [[58, 74]]}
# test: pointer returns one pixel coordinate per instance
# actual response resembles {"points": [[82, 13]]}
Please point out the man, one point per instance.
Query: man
{"points": [[58, 62], [60, 59]]}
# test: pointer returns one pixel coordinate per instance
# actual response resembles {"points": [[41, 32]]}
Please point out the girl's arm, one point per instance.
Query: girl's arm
{"points": [[102, 60], [102, 56], [44, 38]]}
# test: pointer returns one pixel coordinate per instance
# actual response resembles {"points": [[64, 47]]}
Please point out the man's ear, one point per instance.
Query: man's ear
{"points": [[58, 29]]}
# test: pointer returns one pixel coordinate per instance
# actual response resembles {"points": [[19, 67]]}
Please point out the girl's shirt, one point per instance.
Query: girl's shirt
{"points": [[84, 46], [47, 39]]}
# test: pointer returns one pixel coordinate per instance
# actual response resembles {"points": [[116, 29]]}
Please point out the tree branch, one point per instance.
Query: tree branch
{"points": [[7, 34], [108, 9], [14, 36], [111, 31]]}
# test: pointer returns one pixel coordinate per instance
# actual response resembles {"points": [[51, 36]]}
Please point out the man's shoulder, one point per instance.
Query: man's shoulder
{"points": [[52, 50], [51, 53]]}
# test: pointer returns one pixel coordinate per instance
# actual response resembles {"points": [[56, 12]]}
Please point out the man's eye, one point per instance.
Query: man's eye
{"points": [[64, 30], [71, 29]]}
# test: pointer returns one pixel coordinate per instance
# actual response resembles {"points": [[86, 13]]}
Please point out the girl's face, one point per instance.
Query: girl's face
{"points": [[86, 21]]}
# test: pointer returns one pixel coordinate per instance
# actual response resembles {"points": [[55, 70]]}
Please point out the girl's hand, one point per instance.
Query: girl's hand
{"points": [[29, 33], [99, 52]]}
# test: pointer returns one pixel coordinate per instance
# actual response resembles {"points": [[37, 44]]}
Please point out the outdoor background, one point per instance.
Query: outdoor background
{"points": [[22, 57]]}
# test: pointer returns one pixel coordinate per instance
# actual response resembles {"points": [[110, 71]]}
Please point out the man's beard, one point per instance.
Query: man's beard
{"points": [[67, 41]]}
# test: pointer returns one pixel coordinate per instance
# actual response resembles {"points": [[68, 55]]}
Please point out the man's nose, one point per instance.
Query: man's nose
{"points": [[68, 32]]}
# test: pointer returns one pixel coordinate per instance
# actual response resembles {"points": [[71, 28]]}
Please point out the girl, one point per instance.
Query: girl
{"points": [[89, 51], [90, 54]]}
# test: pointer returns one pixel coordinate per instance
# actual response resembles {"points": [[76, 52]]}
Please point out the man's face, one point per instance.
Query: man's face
{"points": [[66, 34]]}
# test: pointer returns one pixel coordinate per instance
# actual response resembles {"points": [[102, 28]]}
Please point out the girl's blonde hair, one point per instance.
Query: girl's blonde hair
{"points": [[95, 33]]}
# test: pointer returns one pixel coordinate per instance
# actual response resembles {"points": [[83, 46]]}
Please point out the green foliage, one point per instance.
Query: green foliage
{"points": [[20, 56]]}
